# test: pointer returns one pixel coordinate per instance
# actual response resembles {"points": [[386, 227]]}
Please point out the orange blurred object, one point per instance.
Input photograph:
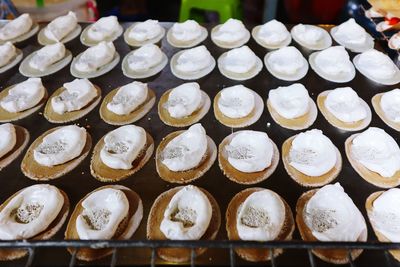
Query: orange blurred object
{"points": [[389, 8]]}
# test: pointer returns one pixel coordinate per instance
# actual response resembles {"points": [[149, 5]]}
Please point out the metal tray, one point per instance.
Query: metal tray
{"points": [[147, 183]]}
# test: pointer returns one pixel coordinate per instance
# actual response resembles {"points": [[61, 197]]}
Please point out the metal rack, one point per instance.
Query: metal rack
{"points": [[229, 246]]}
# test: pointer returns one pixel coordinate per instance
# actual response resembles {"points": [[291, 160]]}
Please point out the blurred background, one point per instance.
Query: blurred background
{"points": [[251, 11]]}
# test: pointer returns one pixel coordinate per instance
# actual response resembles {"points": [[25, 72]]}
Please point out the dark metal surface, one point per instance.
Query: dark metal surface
{"points": [[147, 183]]}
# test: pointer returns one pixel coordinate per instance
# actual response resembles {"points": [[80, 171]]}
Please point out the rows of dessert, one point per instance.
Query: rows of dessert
{"points": [[231, 34], [192, 213], [246, 157], [236, 106], [239, 63]]}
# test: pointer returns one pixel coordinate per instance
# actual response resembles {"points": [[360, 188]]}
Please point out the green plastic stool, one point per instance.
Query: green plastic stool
{"points": [[225, 8]]}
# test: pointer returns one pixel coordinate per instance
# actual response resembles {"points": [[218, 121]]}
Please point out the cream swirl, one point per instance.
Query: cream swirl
{"points": [[308, 34], [76, 95], [186, 31], [385, 215], [60, 27], [334, 61], [184, 100], [236, 101], [390, 104], [377, 65], [146, 30], [250, 151], [273, 32], [16, 27], [194, 60], [30, 212], [240, 60], [95, 57], [290, 101], [8, 138], [345, 105], [7, 53], [231, 31], [128, 98], [187, 215], [122, 146], [47, 56], [312, 153], [331, 215], [377, 151], [286, 60], [145, 58], [104, 28], [103, 211], [350, 33], [24, 95], [261, 216], [185, 151], [60, 146]]}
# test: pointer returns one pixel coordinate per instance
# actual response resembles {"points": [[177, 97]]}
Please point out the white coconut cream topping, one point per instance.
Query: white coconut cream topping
{"points": [[194, 59], [240, 60], [184, 100], [236, 101], [308, 34], [312, 153], [146, 30], [95, 57], [187, 215], [77, 94], [331, 215], [60, 146], [390, 104], [46, 56], [260, 217], [122, 146], [186, 31], [290, 101], [8, 138], [377, 151], [102, 213], [7, 52], [377, 64], [286, 60], [334, 60], [24, 95], [273, 32], [30, 212], [185, 151], [250, 151], [350, 33], [231, 31], [128, 98], [385, 216], [60, 27], [145, 57], [103, 28], [345, 105], [16, 27]]}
